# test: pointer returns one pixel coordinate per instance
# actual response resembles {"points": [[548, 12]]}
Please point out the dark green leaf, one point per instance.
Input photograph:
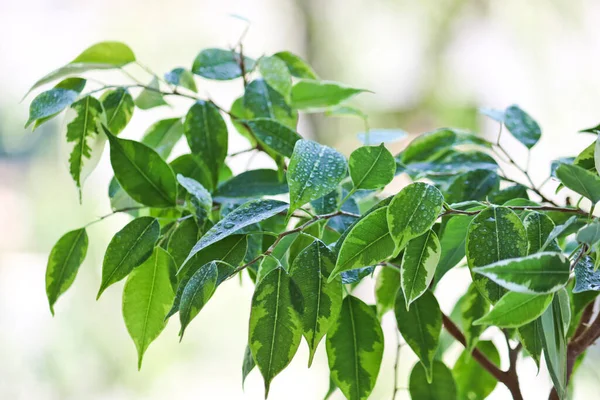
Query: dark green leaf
{"points": [[421, 257], [531, 338], [72, 84], [198, 290], [254, 183], [472, 381], [248, 364], [274, 135], [472, 185], [522, 126], [118, 105], [221, 65], [194, 167], [473, 307], [387, 284], [454, 237], [436, 385], [183, 238], [310, 94], [181, 77], [263, 101], [50, 103], [163, 135], [150, 97], [371, 167], [297, 66], [516, 309], [579, 180], [427, 145]]}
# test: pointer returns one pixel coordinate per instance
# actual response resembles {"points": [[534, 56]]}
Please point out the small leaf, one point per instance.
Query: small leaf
{"points": [[274, 135], [198, 290], [586, 277], [454, 238], [554, 342], [522, 126], [315, 95], [275, 324], [516, 309], [130, 247], [277, 75], [367, 243], [118, 106], [355, 349], [296, 65], [254, 183], [472, 381], [73, 84], [420, 327], [412, 212], [436, 385], [421, 257], [201, 196], [163, 135], [473, 307], [150, 97], [589, 234], [314, 171], [371, 167], [387, 284], [531, 338], [496, 115], [579, 180], [476, 184], [50, 103], [141, 172], [64, 261], [376, 136], [322, 299], [248, 364], [221, 65], [263, 101], [538, 227], [181, 77], [147, 296]]}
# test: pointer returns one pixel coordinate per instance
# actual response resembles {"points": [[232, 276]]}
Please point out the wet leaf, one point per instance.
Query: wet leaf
{"points": [[220, 64], [371, 167], [420, 259]]}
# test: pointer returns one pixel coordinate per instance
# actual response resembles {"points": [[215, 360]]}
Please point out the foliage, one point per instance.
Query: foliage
{"points": [[307, 230]]}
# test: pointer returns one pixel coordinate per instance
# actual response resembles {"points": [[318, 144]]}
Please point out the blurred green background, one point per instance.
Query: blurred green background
{"points": [[430, 63]]}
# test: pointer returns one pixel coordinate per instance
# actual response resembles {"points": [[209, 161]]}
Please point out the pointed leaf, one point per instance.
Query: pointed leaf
{"points": [[50, 103], [274, 135], [516, 309], [183, 238], [439, 385], [219, 64], [579, 180], [538, 227], [531, 338], [454, 238], [522, 126], [421, 257], [310, 94], [201, 196], [371, 167], [198, 290], [118, 106], [296, 65], [248, 364], [473, 307], [263, 101], [554, 343]]}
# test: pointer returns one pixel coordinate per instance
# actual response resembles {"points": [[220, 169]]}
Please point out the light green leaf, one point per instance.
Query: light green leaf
{"points": [[221, 65], [522, 126], [50, 103], [421, 257], [554, 342], [130, 247], [428, 145], [375, 136], [141, 172], [181, 77], [277, 75], [263, 101], [118, 106], [537, 273], [308, 94], [198, 290], [274, 135], [64, 261], [147, 296], [538, 227], [579, 180], [150, 97], [516, 309], [420, 327], [495, 234], [473, 381], [254, 183], [387, 284], [355, 349], [412, 212], [371, 167], [322, 299], [183, 238], [473, 307], [275, 324], [367, 243], [314, 171], [437, 385], [163, 135], [589, 234], [296, 65], [531, 338]]}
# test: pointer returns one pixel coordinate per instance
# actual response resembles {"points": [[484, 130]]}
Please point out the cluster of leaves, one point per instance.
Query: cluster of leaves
{"points": [[307, 232]]}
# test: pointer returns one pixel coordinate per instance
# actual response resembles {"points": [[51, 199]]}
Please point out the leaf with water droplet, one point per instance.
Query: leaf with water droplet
{"points": [[274, 135], [220, 64], [522, 126], [371, 167]]}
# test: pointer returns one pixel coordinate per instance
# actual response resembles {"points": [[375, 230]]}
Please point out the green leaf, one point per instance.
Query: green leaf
{"points": [[387, 284], [201, 196], [322, 299], [473, 307], [274, 135], [314, 171], [495, 234], [275, 324], [472, 381], [579, 180], [193, 167], [183, 238], [243, 216], [454, 238], [118, 106], [537, 273], [420, 327], [554, 342], [220, 65], [254, 183], [376, 136], [141, 172], [313, 95], [262, 101], [355, 349], [427, 145], [147, 296], [248, 364], [163, 135], [64, 261], [296, 65], [181, 77], [50, 103], [83, 131], [437, 385], [130, 247], [472, 185], [522, 126], [516, 309], [412, 212], [586, 277], [538, 227], [73, 84], [277, 75], [531, 338], [421, 257], [589, 234], [198, 290], [371, 167], [367, 243]]}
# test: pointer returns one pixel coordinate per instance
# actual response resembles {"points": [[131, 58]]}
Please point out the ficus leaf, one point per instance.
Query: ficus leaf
{"points": [[589, 234], [472, 381], [579, 180], [181, 77], [371, 167], [50, 103], [163, 135], [118, 105], [538, 227], [274, 135], [277, 75], [516, 309], [420, 259], [531, 338], [436, 385], [201, 196], [261, 100], [247, 365], [198, 290], [473, 307], [308, 94], [554, 341], [452, 242], [586, 276], [220, 64], [254, 183], [183, 238], [387, 284], [522, 126], [151, 96], [296, 65]]}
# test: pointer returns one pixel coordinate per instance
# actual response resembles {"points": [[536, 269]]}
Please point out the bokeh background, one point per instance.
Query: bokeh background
{"points": [[430, 63]]}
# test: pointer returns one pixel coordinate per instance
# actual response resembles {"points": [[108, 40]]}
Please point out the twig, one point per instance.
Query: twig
{"points": [[121, 210]]}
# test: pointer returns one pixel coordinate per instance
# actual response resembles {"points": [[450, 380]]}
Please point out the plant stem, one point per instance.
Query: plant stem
{"points": [[121, 210], [397, 364]]}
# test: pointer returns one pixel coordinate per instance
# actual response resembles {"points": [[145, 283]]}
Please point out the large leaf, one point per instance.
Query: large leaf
{"points": [[522, 126], [193, 167], [263, 101], [472, 381], [296, 65], [314, 171], [355, 349], [537, 273], [130, 247], [367, 243], [554, 341], [387, 284], [220, 64], [147, 296], [275, 324], [322, 299], [495, 234], [274, 135], [538, 227], [243, 216], [254, 183], [277, 75], [142, 173], [579, 180], [436, 385], [412, 212], [421, 257], [163, 135], [473, 307], [420, 327], [310, 94], [206, 135], [516, 309], [118, 105], [371, 167], [198, 290], [64, 262]]}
